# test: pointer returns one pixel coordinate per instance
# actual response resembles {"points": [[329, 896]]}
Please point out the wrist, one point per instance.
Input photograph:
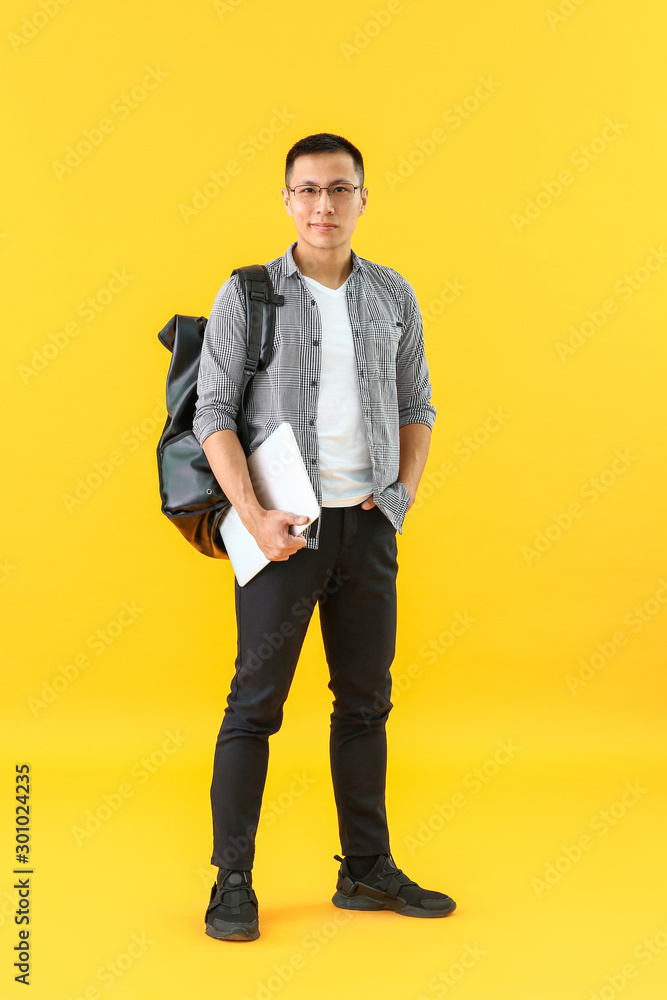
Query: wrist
{"points": [[252, 516]]}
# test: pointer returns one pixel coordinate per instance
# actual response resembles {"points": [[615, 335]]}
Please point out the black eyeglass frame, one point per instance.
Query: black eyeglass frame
{"points": [[327, 189]]}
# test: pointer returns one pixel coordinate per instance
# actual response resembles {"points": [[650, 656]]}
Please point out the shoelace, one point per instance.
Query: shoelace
{"points": [[244, 892], [394, 871]]}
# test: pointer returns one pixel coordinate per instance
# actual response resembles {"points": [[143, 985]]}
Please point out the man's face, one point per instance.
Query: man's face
{"points": [[325, 224]]}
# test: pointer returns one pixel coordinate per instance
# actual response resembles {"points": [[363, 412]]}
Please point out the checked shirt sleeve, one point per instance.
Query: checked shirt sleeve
{"points": [[412, 375], [221, 365]]}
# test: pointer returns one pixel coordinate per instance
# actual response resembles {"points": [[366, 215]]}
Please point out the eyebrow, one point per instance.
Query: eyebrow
{"points": [[338, 179]]}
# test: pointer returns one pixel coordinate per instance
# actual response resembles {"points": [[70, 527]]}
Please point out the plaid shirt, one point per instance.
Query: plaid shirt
{"points": [[393, 376]]}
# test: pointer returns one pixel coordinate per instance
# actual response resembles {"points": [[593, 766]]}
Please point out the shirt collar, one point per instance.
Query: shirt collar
{"points": [[289, 264]]}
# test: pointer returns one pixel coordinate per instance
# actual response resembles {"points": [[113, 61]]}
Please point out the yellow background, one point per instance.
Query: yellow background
{"points": [[541, 920]]}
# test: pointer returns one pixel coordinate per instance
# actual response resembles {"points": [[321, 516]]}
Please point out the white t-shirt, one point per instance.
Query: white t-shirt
{"points": [[346, 471]]}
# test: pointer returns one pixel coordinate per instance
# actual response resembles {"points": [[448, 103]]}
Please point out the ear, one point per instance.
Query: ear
{"points": [[286, 201]]}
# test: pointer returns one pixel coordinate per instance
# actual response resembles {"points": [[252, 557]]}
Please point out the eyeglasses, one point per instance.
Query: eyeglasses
{"points": [[339, 193]]}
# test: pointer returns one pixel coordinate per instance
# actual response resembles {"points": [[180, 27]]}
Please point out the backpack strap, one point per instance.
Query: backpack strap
{"points": [[260, 302]]}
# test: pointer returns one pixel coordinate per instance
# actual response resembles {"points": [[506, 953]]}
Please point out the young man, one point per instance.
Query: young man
{"points": [[348, 372]]}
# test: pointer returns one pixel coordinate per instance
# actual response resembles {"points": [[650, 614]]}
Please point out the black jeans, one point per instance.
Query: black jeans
{"points": [[352, 576]]}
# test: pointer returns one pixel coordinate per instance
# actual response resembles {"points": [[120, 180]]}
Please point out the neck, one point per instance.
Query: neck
{"points": [[329, 267]]}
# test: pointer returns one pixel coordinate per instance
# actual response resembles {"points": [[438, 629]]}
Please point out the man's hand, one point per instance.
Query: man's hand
{"points": [[369, 503], [270, 529], [415, 440]]}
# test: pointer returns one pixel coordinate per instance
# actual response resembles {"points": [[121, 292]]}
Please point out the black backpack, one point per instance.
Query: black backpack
{"points": [[191, 495]]}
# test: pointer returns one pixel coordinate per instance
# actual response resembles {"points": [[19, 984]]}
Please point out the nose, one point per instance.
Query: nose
{"points": [[328, 207]]}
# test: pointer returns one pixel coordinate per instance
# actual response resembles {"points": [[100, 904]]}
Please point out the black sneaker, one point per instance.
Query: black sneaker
{"points": [[232, 910], [386, 887]]}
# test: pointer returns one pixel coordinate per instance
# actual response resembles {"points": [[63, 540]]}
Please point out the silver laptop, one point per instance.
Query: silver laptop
{"points": [[280, 481]]}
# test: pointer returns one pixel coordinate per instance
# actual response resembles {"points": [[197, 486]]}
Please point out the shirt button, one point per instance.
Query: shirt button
{"points": [[313, 381], [316, 343], [311, 422]]}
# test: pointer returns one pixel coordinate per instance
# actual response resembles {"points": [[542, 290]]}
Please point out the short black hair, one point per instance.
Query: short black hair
{"points": [[323, 142]]}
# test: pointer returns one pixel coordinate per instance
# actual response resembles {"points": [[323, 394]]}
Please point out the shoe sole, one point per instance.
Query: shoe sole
{"points": [[360, 902], [233, 932]]}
